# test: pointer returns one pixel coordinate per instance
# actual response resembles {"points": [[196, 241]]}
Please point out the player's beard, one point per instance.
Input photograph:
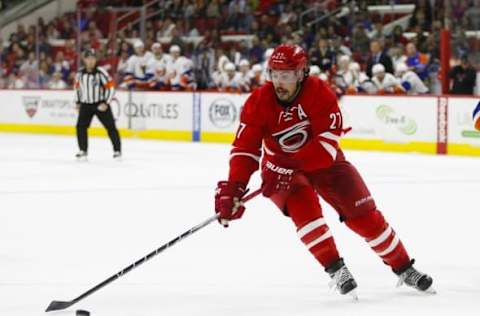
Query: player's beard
{"points": [[284, 95]]}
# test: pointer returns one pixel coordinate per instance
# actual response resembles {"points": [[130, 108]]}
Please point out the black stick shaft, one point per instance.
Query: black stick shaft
{"points": [[144, 259]]}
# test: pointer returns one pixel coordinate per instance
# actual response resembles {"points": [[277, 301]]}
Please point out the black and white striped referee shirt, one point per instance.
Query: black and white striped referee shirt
{"points": [[93, 87]]}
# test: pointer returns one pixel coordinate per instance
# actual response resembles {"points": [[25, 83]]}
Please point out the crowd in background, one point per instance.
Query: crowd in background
{"points": [[352, 52]]}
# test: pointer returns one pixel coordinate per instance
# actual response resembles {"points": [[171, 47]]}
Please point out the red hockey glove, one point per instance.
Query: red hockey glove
{"points": [[277, 174], [228, 203]]}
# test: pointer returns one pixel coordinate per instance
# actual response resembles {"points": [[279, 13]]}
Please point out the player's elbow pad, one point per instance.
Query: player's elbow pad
{"points": [[406, 85]]}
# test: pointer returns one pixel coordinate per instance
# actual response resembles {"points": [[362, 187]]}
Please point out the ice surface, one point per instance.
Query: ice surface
{"points": [[65, 226]]}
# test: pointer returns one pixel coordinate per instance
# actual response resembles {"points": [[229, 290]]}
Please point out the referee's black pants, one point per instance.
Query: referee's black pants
{"points": [[85, 116]]}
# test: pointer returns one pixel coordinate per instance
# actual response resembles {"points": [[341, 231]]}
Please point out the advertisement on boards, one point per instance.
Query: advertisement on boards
{"points": [[390, 119]]}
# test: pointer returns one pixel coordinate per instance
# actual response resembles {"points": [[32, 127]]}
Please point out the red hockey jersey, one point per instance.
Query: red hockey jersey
{"points": [[308, 131]]}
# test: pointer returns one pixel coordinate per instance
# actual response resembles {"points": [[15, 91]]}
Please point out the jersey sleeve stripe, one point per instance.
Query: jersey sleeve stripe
{"points": [[330, 136], [330, 149]]}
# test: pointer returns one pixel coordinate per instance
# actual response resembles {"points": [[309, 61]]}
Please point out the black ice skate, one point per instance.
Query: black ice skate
{"points": [[416, 279], [117, 155], [81, 155], [342, 279]]}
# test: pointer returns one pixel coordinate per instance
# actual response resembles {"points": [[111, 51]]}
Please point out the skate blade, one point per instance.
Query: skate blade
{"points": [[353, 294], [430, 291], [82, 159]]}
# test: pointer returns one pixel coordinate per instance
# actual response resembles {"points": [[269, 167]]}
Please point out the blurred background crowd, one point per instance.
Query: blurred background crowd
{"points": [[357, 46]]}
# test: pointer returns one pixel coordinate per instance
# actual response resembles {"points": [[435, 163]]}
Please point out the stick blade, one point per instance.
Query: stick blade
{"points": [[58, 305]]}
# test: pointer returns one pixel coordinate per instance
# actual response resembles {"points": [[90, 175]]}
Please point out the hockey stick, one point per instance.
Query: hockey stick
{"points": [[60, 305]]}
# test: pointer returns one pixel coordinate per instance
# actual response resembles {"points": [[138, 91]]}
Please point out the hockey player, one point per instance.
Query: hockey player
{"points": [[136, 72], [409, 80], [385, 82], [476, 117], [245, 75], [157, 67], [180, 70], [295, 121], [231, 80]]}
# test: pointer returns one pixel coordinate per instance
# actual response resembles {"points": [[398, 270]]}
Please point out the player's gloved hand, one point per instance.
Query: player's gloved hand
{"points": [[277, 174], [228, 202], [102, 107]]}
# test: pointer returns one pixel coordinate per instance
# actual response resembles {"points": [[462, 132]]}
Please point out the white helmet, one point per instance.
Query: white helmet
{"points": [[229, 67], [138, 44], [257, 68], [401, 68], [268, 53], [377, 68], [174, 49], [354, 67], [314, 70], [344, 58], [244, 62]]}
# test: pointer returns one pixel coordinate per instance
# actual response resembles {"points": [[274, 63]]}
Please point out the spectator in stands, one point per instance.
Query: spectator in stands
{"points": [[44, 74], [3, 77], [52, 32], [360, 41], [15, 80], [21, 32], [473, 15], [70, 54], [378, 32], [463, 76], [378, 56], [398, 37], [384, 81], [338, 48], [29, 71], [43, 45], [2, 52], [61, 65], [57, 82], [417, 61], [323, 56], [256, 51], [409, 80], [15, 57], [288, 15], [397, 55]]}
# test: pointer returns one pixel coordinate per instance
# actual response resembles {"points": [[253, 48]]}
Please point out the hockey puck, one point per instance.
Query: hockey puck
{"points": [[82, 312]]}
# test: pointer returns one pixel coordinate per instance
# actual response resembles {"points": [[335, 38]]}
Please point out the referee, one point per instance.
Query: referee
{"points": [[94, 90]]}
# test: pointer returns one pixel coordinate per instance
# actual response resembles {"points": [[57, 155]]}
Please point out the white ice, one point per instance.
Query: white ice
{"points": [[65, 226]]}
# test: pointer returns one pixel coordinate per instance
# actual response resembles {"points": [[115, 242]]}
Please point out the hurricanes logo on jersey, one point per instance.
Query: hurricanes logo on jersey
{"points": [[294, 137]]}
